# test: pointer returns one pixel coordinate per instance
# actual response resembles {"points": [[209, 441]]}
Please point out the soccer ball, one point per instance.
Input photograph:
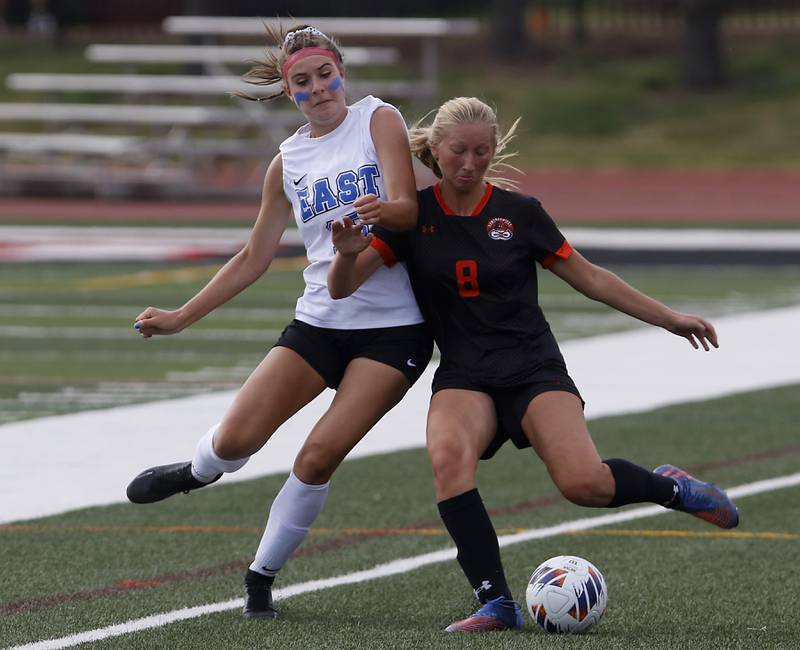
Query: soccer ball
{"points": [[566, 594]]}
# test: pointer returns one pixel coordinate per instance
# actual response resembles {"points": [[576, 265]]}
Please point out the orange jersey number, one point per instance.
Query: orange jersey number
{"points": [[467, 278]]}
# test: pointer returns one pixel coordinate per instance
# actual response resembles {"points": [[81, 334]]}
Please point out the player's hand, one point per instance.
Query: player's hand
{"points": [[348, 238], [154, 321], [368, 209], [694, 329]]}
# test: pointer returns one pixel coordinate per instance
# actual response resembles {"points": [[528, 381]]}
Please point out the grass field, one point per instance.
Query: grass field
{"points": [[673, 580], [590, 110], [66, 341]]}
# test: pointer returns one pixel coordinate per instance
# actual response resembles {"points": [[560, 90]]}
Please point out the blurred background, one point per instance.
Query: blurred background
{"points": [[118, 99], [662, 135]]}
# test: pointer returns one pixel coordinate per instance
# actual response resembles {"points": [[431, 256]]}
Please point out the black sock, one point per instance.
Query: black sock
{"points": [[469, 525], [635, 484]]}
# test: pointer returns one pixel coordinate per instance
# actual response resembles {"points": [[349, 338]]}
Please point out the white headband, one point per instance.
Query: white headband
{"points": [[306, 30]]}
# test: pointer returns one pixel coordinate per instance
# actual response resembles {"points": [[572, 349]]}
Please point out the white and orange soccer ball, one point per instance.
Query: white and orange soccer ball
{"points": [[566, 594]]}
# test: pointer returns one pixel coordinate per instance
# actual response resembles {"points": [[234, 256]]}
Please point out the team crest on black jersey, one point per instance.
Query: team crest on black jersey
{"points": [[499, 228]]}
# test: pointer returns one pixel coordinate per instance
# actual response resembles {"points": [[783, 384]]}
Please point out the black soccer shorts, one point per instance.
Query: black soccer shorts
{"points": [[510, 402], [407, 348]]}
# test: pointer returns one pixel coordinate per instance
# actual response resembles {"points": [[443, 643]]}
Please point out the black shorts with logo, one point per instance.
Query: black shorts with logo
{"points": [[328, 351], [510, 402]]}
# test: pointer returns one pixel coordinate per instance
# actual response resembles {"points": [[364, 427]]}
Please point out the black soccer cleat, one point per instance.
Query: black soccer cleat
{"points": [[258, 596], [163, 481]]}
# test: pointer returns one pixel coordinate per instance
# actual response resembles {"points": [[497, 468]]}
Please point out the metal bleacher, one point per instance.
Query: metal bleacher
{"points": [[104, 53], [149, 134]]}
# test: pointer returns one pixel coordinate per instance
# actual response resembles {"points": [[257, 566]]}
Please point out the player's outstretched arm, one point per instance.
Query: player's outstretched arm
{"points": [[239, 272], [398, 210], [355, 260], [602, 285]]}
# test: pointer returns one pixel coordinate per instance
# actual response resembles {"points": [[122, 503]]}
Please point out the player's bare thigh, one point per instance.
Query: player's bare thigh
{"points": [[461, 424], [368, 390], [281, 385], [556, 428]]}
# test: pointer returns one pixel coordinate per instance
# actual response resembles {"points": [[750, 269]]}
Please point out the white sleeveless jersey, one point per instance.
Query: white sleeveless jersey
{"points": [[322, 177]]}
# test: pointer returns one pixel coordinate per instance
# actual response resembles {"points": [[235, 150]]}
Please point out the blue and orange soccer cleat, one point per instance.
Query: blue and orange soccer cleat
{"points": [[703, 500], [499, 614]]}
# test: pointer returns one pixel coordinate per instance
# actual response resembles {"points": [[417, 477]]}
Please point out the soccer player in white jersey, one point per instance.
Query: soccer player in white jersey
{"points": [[347, 160]]}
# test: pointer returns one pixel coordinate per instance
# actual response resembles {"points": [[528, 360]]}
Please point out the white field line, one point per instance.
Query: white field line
{"points": [[618, 238], [683, 239], [395, 567], [121, 333], [49, 234], [249, 358], [130, 312]]}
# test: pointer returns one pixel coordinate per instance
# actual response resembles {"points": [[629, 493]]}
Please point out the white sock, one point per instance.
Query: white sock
{"points": [[291, 515], [206, 465]]}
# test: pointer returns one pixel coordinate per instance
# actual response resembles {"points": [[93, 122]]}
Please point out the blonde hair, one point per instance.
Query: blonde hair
{"points": [[269, 70], [465, 110]]}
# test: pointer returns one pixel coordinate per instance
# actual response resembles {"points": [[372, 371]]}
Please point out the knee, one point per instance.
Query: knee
{"points": [[584, 489], [236, 438], [315, 463], [228, 447], [451, 462]]}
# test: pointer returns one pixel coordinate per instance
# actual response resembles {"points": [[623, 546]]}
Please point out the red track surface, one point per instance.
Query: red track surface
{"points": [[570, 196]]}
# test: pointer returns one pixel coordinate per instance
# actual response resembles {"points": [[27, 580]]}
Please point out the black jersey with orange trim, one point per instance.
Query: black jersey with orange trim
{"points": [[474, 278]]}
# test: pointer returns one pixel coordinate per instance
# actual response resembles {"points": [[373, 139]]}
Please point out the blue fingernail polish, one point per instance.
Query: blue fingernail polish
{"points": [[364, 231], [137, 325]]}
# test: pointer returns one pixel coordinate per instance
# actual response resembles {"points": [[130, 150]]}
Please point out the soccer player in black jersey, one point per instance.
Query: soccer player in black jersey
{"points": [[501, 376]]}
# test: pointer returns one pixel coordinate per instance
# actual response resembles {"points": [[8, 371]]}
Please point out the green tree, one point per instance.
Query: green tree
{"points": [[703, 63], [509, 38]]}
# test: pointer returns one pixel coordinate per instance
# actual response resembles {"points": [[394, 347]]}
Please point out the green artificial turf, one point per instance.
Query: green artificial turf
{"points": [[66, 329], [680, 588]]}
